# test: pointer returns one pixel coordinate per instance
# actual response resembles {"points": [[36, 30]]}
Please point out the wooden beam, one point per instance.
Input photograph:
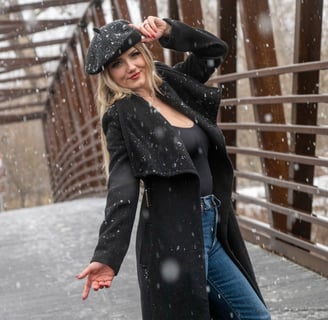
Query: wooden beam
{"points": [[28, 77], [8, 62], [149, 8], [260, 53], [307, 48], [6, 119], [22, 94], [23, 27], [10, 93], [191, 13], [23, 63], [24, 23], [227, 31], [23, 31], [23, 106], [120, 10], [38, 5], [174, 13], [31, 45]]}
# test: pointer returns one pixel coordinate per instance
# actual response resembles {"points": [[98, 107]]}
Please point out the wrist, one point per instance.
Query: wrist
{"points": [[167, 31]]}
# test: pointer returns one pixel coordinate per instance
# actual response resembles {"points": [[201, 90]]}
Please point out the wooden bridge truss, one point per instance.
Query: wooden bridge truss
{"points": [[64, 101]]}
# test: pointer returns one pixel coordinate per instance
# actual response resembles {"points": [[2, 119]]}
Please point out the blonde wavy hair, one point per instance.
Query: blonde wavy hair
{"points": [[109, 92]]}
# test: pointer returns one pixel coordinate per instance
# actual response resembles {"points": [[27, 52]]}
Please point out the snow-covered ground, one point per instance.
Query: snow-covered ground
{"points": [[43, 248]]}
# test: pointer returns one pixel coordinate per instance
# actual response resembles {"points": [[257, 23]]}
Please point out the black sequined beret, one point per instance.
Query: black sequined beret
{"points": [[108, 43]]}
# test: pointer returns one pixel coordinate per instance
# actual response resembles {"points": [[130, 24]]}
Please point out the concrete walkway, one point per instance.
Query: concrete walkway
{"points": [[43, 248]]}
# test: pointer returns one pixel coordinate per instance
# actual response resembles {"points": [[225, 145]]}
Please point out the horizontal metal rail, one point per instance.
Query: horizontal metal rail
{"points": [[304, 252], [76, 173], [318, 161], [304, 98], [312, 218], [68, 148], [282, 183], [274, 127], [81, 189], [71, 171], [270, 71]]}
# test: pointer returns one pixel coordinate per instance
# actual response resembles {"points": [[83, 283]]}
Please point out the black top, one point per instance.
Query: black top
{"points": [[197, 144]]}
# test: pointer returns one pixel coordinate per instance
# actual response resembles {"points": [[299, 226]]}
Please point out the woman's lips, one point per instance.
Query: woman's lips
{"points": [[135, 76]]}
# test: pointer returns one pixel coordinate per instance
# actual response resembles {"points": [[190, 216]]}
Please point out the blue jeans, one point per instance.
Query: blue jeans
{"points": [[230, 294]]}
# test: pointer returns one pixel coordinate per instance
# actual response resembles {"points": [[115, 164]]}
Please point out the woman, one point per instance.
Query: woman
{"points": [[160, 129]]}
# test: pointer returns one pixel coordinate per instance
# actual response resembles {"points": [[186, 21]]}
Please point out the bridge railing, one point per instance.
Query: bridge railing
{"points": [[77, 170], [254, 206]]}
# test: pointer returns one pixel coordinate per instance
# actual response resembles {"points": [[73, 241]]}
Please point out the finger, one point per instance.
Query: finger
{"points": [[152, 24], [95, 285], [150, 28], [86, 289], [83, 274], [104, 283]]}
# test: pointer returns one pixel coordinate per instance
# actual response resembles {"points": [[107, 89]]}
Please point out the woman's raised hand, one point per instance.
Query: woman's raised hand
{"points": [[153, 28], [98, 275]]}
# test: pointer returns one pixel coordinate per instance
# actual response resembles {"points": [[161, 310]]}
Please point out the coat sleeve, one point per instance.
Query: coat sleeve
{"points": [[207, 51], [122, 199]]}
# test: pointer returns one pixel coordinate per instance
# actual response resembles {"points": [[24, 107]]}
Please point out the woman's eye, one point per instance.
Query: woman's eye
{"points": [[135, 53], [115, 64]]}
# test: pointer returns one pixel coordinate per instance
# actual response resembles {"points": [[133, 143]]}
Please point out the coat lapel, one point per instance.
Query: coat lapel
{"points": [[153, 147], [152, 144]]}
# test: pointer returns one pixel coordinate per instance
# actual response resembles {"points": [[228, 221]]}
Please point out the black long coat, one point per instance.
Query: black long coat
{"points": [[143, 146]]}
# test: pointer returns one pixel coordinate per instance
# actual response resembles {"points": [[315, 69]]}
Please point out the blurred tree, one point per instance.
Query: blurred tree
{"points": [[22, 146]]}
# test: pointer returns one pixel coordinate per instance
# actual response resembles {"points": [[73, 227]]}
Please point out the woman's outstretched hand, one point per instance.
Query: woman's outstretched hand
{"points": [[98, 275], [153, 28]]}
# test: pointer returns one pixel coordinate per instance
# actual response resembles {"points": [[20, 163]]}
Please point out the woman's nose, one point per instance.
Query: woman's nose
{"points": [[131, 66]]}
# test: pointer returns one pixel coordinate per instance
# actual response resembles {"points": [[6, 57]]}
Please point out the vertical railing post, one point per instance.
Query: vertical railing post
{"points": [[307, 48], [175, 56], [227, 31], [149, 8], [120, 10], [191, 14], [259, 48]]}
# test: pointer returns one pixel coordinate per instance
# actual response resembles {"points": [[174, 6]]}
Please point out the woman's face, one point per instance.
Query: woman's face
{"points": [[129, 70]]}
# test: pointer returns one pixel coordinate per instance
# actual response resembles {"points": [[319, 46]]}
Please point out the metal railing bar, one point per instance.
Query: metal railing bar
{"points": [[254, 224], [85, 126], [314, 161], [282, 183], [78, 185], [73, 161], [312, 218], [63, 163], [66, 178], [76, 189], [303, 98], [322, 129], [63, 153], [79, 193], [263, 72]]}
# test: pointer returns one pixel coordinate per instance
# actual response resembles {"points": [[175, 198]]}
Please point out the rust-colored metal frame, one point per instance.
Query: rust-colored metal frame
{"points": [[290, 192]]}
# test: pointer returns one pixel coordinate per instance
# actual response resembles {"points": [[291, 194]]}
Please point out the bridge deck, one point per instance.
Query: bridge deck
{"points": [[42, 249]]}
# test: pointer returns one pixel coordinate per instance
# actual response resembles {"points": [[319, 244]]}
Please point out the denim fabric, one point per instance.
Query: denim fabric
{"points": [[230, 294]]}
